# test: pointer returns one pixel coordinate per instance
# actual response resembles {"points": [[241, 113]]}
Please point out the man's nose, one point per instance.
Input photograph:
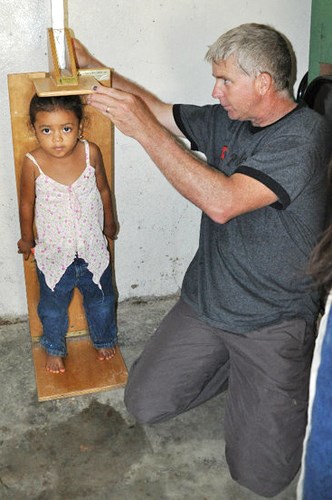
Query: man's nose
{"points": [[217, 91]]}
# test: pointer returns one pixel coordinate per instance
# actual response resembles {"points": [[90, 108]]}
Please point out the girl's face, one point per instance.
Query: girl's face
{"points": [[57, 132]]}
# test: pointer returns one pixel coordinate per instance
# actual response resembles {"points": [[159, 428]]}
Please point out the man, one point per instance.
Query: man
{"points": [[246, 314]]}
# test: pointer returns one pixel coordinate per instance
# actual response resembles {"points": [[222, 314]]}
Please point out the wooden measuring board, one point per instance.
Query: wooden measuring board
{"points": [[106, 374], [63, 81], [47, 87]]}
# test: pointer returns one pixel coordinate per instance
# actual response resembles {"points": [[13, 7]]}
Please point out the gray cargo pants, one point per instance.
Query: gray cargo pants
{"points": [[187, 362]]}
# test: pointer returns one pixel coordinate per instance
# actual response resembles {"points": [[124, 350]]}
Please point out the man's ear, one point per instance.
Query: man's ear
{"points": [[263, 82]]}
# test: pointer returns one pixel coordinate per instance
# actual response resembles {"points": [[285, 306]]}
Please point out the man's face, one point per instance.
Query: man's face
{"points": [[236, 91]]}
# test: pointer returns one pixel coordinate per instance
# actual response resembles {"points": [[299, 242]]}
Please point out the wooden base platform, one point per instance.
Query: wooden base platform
{"points": [[84, 372]]}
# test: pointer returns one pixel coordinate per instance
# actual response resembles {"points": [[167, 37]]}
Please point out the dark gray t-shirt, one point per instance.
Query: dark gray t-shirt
{"points": [[252, 271]]}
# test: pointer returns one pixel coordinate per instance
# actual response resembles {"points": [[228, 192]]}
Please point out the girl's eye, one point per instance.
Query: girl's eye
{"points": [[46, 131], [67, 129]]}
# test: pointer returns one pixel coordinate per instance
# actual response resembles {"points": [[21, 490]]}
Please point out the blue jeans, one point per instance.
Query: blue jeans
{"points": [[99, 307]]}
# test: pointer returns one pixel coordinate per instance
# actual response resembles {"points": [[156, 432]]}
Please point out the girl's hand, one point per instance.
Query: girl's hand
{"points": [[25, 247], [111, 230]]}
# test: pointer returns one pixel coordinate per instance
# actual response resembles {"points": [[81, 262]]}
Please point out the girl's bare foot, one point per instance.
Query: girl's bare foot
{"points": [[106, 353], [54, 364]]}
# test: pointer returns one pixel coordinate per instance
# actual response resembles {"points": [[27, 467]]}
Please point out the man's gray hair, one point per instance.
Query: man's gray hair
{"points": [[257, 48]]}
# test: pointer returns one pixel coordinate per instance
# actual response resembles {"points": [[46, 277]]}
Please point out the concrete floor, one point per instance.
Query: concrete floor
{"points": [[88, 447]]}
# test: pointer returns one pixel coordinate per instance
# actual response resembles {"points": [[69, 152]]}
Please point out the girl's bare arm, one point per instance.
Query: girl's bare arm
{"points": [[27, 208], [110, 226]]}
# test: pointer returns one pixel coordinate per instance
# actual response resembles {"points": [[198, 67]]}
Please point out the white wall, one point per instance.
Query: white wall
{"points": [[160, 44]]}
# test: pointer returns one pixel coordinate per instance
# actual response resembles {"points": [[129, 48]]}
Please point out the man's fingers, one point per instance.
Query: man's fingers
{"points": [[99, 90], [108, 102]]}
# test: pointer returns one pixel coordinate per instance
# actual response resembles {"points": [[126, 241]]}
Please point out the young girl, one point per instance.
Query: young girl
{"points": [[64, 191]]}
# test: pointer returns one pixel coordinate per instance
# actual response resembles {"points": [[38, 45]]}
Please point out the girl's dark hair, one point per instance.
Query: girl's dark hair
{"points": [[69, 102]]}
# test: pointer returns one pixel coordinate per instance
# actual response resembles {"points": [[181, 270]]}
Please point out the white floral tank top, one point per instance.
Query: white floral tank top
{"points": [[69, 222]]}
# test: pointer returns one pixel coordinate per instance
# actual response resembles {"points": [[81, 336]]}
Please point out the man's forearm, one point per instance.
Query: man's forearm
{"points": [[191, 177], [155, 105]]}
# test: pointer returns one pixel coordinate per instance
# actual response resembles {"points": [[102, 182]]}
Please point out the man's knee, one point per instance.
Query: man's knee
{"points": [[139, 406]]}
